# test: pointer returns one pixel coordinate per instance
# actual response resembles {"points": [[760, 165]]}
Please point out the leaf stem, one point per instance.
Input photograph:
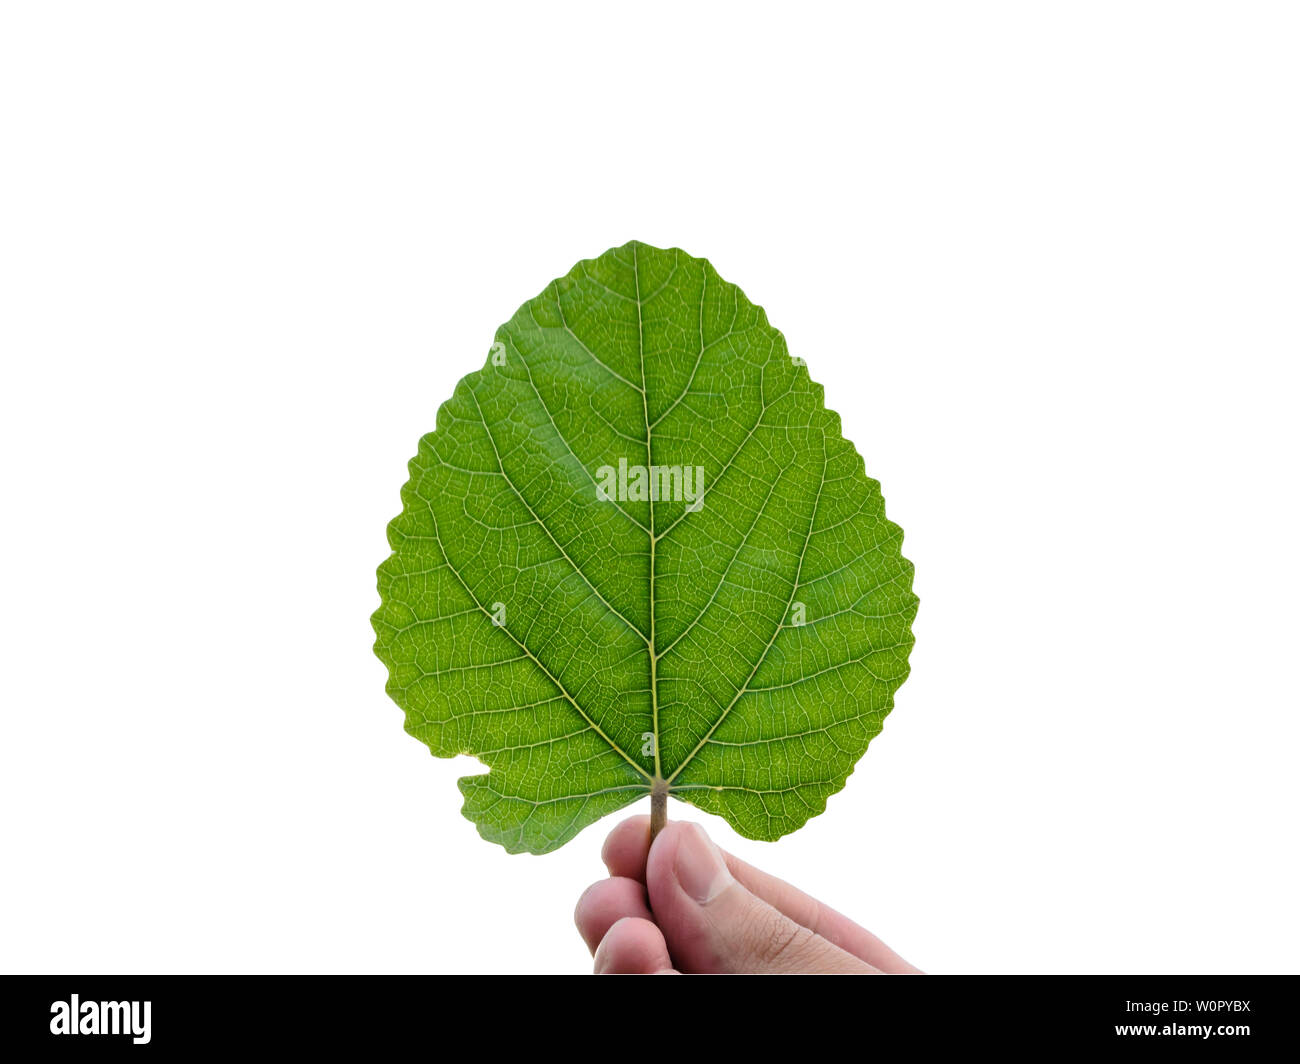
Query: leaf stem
{"points": [[658, 806]]}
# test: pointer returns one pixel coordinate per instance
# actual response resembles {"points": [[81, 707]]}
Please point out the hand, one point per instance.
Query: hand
{"points": [[682, 905]]}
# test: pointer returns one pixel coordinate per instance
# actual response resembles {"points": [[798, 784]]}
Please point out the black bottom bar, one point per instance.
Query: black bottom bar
{"points": [[363, 1015]]}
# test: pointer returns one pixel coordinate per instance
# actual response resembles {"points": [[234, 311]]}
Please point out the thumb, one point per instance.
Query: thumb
{"points": [[711, 923]]}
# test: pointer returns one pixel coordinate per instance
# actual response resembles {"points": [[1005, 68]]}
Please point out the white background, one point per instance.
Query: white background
{"points": [[1044, 257]]}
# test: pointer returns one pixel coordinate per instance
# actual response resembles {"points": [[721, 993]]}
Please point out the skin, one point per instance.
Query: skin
{"points": [[684, 906]]}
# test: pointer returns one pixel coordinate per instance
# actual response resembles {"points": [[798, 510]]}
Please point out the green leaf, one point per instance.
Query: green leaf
{"points": [[740, 634]]}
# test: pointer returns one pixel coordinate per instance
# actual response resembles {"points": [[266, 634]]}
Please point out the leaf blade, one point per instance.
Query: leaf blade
{"points": [[635, 617]]}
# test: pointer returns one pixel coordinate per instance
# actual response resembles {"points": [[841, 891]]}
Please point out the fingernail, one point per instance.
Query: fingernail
{"points": [[699, 866]]}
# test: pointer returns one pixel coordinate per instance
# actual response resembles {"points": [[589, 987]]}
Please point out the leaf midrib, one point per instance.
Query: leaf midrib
{"points": [[649, 462]]}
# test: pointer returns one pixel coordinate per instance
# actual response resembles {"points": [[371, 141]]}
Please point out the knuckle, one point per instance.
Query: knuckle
{"points": [[777, 940]]}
